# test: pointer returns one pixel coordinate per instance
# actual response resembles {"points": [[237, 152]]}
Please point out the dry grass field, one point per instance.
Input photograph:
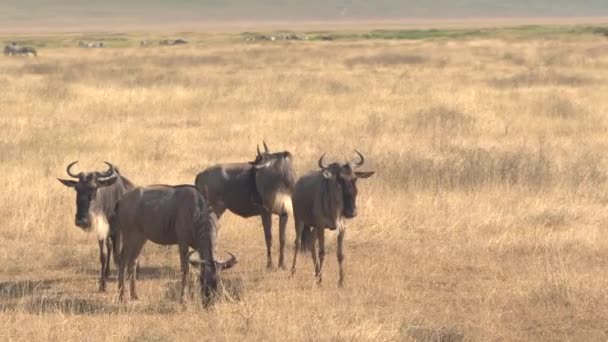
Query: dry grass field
{"points": [[486, 219]]}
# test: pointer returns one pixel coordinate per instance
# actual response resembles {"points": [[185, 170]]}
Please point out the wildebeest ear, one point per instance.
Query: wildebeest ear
{"points": [[205, 192], [327, 174], [364, 174], [68, 183], [107, 182]]}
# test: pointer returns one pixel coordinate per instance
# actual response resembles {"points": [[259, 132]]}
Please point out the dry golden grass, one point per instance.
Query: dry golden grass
{"points": [[486, 219]]}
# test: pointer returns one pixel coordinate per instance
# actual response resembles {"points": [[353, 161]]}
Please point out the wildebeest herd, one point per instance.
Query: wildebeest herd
{"points": [[124, 217]]}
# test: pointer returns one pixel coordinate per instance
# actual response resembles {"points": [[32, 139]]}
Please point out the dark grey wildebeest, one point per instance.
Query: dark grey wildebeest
{"points": [[96, 196], [259, 188], [168, 215], [13, 50], [323, 199]]}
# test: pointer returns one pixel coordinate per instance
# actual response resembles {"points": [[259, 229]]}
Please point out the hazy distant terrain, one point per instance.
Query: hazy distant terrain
{"points": [[71, 13]]}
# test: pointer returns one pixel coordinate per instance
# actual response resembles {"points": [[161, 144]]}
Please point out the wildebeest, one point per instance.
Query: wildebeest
{"points": [[14, 49], [96, 196], [84, 44], [259, 188], [323, 199], [168, 215], [172, 42]]}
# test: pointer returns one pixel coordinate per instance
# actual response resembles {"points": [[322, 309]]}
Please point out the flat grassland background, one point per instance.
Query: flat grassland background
{"points": [[486, 218]]}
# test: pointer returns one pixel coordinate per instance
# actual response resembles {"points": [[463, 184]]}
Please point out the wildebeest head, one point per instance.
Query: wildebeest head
{"points": [[346, 177], [86, 190], [268, 159], [274, 178], [202, 258]]}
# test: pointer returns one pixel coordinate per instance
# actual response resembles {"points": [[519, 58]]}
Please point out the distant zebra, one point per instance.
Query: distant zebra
{"points": [[13, 49], [84, 44]]}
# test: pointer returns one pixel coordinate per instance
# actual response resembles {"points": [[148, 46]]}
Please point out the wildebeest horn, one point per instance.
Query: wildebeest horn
{"points": [[321, 161], [259, 154], [265, 146], [69, 170], [226, 264], [221, 265], [361, 159], [111, 171]]}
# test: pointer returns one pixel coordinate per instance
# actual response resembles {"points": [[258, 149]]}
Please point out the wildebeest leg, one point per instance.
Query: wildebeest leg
{"points": [[313, 249], [282, 227], [102, 260], [321, 237], [137, 243], [299, 227], [340, 255], [108, 242], [183, 258], [122, 263], [267, 223]]}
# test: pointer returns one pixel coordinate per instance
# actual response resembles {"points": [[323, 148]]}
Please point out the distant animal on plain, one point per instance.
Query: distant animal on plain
{"points": [[173, 42], [90, 45], [324, 199], [16, 50]]}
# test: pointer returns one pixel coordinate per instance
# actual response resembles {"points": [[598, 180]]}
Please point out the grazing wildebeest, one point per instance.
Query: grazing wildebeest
{"points": [[14, 49], [168, 215], [259, 188], [96, 196], [324, 199]]}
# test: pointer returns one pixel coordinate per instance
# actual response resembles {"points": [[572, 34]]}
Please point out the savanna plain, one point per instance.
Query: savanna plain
{"points": [[486, 219]]}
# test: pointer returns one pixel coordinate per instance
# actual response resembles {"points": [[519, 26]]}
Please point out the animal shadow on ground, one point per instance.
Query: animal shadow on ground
{"points": [[231, 288], [22, 288], [431, 334], [147, 272], [66, 305]]}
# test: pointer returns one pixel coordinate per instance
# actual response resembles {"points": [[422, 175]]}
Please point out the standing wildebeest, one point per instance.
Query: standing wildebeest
{"points": [[14, 49], [168, 215], [96, 196], [259, 188], [323, 199]]}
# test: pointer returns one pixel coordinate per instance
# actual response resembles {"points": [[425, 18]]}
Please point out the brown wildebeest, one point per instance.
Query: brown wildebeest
{"points": [[322, 199], [259, 188], [168, 215], [96, 196]]}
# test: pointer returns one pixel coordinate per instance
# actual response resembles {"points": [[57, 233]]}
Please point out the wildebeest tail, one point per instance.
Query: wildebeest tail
{"points": [[306, 240]]}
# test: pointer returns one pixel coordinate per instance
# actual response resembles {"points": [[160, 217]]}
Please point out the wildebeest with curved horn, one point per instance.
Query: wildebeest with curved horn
{"points": [[14, 49], [168, 215], [323, 199], [259, 188], [96, 196]]}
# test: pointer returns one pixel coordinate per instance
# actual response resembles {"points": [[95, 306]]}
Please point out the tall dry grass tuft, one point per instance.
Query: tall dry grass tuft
{"points": [[485, 219]]}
